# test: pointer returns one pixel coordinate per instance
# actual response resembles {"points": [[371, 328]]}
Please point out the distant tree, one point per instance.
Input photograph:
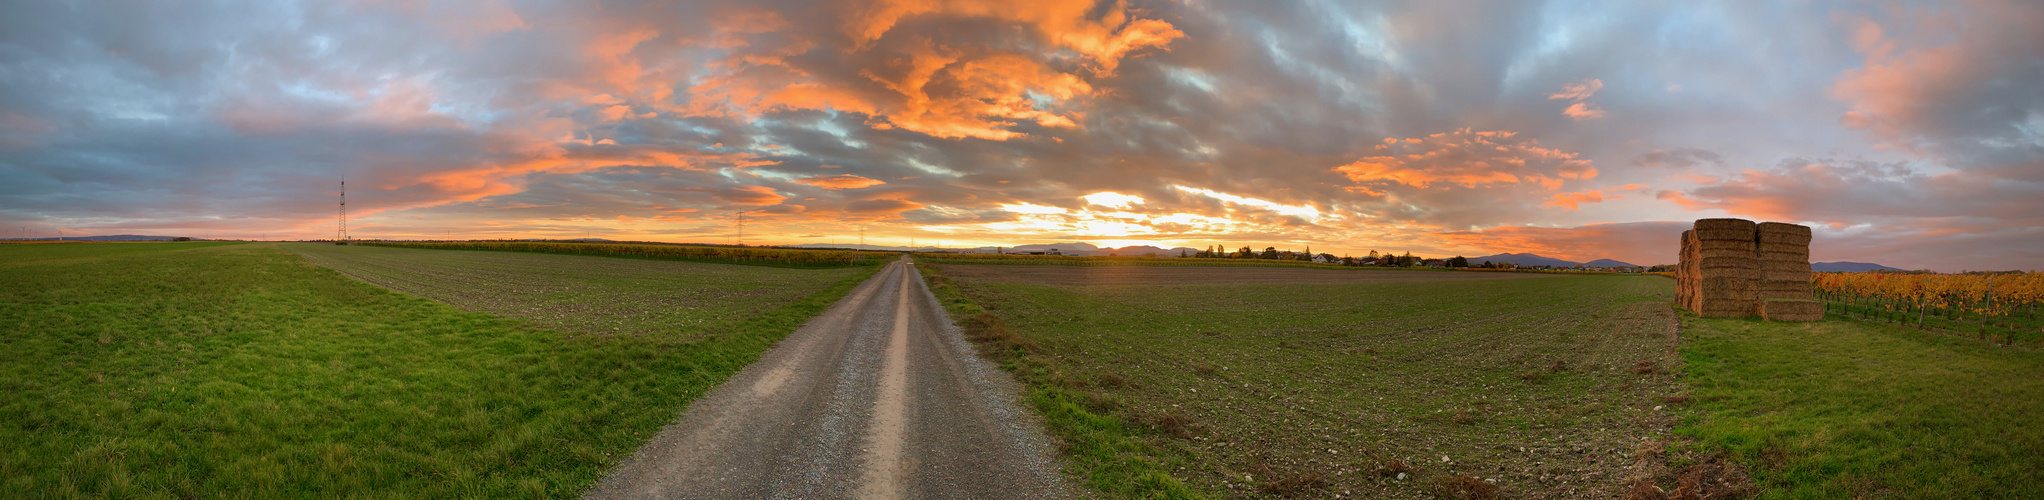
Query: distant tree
{"points": [[1270, 253], [1373, 255], [1245, 253], [1458, 261], [181, 238], [1181, 253]]}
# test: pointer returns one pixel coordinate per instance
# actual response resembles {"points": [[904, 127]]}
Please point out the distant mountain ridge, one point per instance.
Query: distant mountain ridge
{"points": [[1849, 267], [1527, 259]]}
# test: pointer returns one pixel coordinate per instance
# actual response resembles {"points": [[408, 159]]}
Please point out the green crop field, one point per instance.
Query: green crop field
{"points": [[203, 370], [578, 293], [1518, 387]]}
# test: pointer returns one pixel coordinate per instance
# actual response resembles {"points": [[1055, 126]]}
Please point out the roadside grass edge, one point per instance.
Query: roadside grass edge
{"points": [[1104, 450]]}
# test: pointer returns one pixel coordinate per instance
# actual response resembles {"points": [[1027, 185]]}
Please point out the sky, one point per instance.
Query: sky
{"points": [[1909, 134]]}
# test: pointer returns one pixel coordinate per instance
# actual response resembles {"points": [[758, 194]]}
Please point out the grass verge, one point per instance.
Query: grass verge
{"points": [[195, 370], [1853, 409]]}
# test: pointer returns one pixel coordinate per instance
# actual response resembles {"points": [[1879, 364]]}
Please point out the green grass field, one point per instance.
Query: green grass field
{"points": [[577, 293], [1545, 385], [203, 370], [1851, 409]]}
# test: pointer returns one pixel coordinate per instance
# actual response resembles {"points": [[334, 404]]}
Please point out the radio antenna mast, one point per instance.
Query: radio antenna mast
{"points": [[341, 232], [741, 227]]}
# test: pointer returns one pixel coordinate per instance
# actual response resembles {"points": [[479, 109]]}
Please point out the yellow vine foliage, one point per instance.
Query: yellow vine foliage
{"points": [[1986, 294]]}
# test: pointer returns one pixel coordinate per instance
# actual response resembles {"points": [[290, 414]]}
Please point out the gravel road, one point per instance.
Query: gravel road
{"points": [[879, 397]]}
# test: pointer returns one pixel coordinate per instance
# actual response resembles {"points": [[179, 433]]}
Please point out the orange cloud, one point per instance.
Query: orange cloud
{"points": [[749, 195], [887, 207], [840, 182], [1468, 159], [938, 86], [1571, 201], [1580, 93], [1068, 24]]}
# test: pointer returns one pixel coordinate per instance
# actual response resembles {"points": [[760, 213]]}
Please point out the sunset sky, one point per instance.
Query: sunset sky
{"points": [[1907, 133]]}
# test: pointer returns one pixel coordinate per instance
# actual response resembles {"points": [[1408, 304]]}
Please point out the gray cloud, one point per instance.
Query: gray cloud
{"points": [[117, 116]]}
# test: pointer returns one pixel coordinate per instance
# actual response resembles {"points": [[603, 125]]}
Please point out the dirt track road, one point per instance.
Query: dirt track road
{"points": [[879, 397]]}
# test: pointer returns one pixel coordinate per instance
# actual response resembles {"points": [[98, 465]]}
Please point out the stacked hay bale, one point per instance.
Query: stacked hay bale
{"points": [[1685, 273], [1726, 268], [1735, 268], [1784, 289]]}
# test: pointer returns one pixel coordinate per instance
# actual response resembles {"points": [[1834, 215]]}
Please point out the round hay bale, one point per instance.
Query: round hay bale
{"points": [[1724, 234], [1783, 228], [1734, 224]]}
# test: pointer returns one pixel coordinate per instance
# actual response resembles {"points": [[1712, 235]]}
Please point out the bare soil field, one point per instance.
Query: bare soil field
{"points": [[1146, 275], [1397, 388]]}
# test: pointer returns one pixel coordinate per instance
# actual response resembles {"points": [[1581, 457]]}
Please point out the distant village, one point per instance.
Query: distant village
{"points": [[1373, 259]]}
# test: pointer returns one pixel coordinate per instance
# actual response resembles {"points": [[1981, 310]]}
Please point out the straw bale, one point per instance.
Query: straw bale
{"points": [[1734, 224], [1726, 254], [1724, 245], [1724, 234], [1783, 239], [1803, 256], [1784, 292], [1782, 228], [1729, 273], [1785, 276], [1738, 262], [1785, 265], [1792, 310], [1775, 246], [1744, 310]]}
